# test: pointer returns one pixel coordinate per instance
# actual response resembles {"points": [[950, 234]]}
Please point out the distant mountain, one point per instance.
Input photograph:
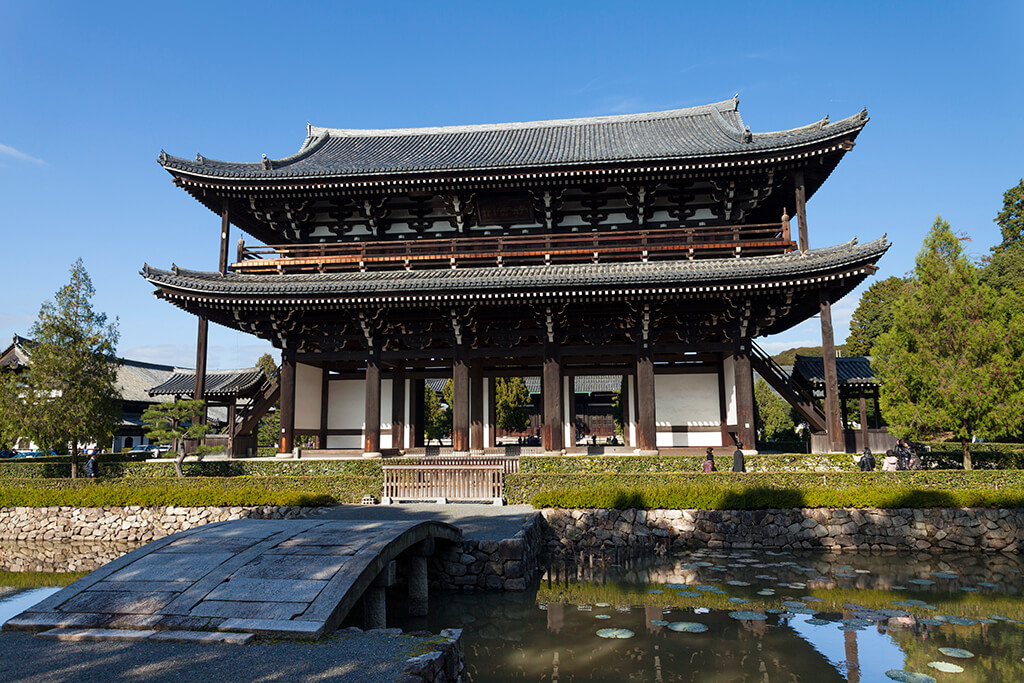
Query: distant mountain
{"points": [[788, 356]]}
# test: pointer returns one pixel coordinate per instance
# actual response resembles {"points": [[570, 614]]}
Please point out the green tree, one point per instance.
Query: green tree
{"points": [[618, 417], [873, 315], [1011, 219], [268, 365], [773, 413], [437, 418], [510, 395], [268, 433], [68, 396], [175, 423], [951, 362]]}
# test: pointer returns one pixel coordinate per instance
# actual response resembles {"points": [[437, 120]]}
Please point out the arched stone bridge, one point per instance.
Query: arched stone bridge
{"points": [[232, 580]]}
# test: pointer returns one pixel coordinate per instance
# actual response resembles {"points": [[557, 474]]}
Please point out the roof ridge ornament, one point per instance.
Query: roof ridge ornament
{"points": [[747, 135], [200, 159], [863, 114], [267, 166], [824, 122], [162, 157]]}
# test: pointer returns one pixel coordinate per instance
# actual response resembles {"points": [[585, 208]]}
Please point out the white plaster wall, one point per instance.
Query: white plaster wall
{"points": [[690, 401], [385, 413], [568, 433], [729, 369], [487, 412], [628, 412], [346, 410], [307, 396]]}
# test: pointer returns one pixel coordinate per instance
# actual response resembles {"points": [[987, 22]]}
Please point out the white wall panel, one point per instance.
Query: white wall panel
{"points": [[307, 396]]}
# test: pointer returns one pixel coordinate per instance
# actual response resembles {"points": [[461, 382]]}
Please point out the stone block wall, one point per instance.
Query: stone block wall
{"points": [[475, 565], [443, 665], [132, 524], [930, 530]]}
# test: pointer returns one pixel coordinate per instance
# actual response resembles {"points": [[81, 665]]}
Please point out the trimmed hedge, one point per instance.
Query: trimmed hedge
{"points": [[188, 492], [636, 464], [32, 468], [750, 491]]}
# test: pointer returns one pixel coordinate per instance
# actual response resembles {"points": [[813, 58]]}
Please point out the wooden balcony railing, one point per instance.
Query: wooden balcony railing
{"points": [[449, 482], [597, 247]]}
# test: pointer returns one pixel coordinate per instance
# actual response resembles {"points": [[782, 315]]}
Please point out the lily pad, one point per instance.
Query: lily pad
{"points": [[946, 575], [956, 652], [946, 667], [766, 592], [659, 622], [960, 621], [688, 627], [655, 591], [602, 616], [615, 633], [921, 582], [738, 583], [968, 589], [794, 603], [811, 598], [747, 615], [738, 601], [688, 594], [986, 584], [602, 604], [815, 621], [931, 622], [909, 676]]}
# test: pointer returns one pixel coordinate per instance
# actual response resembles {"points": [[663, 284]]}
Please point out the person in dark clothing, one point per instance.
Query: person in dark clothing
{"points": [[739, 464], [867, 461], [903, 454], [709, 461], [92, 466]]}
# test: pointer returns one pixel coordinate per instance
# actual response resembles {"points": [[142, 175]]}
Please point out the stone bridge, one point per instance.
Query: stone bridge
{"points": [[232, 581]]}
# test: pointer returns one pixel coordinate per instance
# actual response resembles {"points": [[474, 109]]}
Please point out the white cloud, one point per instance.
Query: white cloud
{"points": [[7, 150]]}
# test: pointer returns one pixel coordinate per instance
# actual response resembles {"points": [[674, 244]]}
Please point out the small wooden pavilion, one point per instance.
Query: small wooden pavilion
{"points": [[653, 247]]}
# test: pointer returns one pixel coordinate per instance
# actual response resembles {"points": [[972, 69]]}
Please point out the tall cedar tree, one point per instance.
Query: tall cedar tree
{"points": [[1004, 268], [69, 392], [873, 315], [269, 431], [510, 395], [176, 423], [952, 360], [437, 419], [773, 413]]}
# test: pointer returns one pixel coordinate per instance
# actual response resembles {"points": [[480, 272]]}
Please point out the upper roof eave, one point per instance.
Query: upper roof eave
{"points": [[722, 136]]}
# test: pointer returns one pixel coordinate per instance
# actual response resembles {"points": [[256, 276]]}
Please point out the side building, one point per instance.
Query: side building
{"points": [[651, 247]]}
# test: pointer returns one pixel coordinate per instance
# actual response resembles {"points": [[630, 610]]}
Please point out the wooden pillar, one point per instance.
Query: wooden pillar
{"points": [[626, 404], [801, 208], [287, 405], [833, 420], [325, 404], [371, 430], [551, 389], [417, 392], [398, 408], [460, 401], [492, 415], [864, 422], [745, 395], [723, 405], [476, 407], [646, 429], [231, 428], [572, 412], [199, 386], [225, 229]]}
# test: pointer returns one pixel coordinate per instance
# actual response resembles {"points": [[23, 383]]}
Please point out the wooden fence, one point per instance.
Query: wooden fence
{"points": [[454, 478]]}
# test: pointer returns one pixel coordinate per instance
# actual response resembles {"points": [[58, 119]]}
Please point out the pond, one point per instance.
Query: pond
{"points": [[706, 616]]}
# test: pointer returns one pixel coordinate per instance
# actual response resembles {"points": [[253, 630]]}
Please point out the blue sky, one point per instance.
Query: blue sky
{"points": [[91, 92]]}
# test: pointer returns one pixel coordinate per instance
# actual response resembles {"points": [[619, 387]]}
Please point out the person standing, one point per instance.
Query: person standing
{"points": [[867, 461], [92, 466], [739, 463], [891, 462], [709, 461]]}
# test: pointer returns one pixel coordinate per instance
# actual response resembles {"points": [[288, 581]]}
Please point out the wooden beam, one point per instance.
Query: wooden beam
{"points": [[551, 388], [723, 407], [398, 408], [199, 385], [476, 407], [371, 440], [325, 400], [492, 414], [646, 428], [225, 229], [745, 395], [460, 401]]}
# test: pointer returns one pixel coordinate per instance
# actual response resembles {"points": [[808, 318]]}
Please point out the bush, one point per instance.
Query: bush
{"points": [[20, 469], [206, 491], [636, 464], [751, 491]]}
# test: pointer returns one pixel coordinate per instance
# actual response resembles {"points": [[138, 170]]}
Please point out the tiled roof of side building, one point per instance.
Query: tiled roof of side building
{"points": [[524, 278], [711, 130], [219, 383], [851, 370]]}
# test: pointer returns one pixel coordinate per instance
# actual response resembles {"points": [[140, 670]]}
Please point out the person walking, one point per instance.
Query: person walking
{"points": [[739, 463], [867, 461], [92, 466], [709, 461]]}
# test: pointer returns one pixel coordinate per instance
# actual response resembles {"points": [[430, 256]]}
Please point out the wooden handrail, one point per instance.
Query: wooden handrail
{"points": [[516, 249]]}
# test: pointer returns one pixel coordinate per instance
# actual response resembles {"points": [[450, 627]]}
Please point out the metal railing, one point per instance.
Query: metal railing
{"points": [[596, 247]]}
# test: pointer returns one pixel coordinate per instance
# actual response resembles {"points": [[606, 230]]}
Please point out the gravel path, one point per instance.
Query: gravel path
{"points": [[477, 521], [360, 658]]}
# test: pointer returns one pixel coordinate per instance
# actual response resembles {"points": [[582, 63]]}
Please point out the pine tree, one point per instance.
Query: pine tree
{"points": [[773, 413], [69, 394], [952, 360], [510, 395], [175, 423], [873, 315]]}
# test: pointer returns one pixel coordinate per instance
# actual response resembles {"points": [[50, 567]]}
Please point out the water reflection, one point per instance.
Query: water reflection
{"points": [[768, 617]]}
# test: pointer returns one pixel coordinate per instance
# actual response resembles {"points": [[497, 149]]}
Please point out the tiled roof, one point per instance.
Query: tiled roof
{"points": [[523, 278], [851, 370], [219, 383], [711, 130]]}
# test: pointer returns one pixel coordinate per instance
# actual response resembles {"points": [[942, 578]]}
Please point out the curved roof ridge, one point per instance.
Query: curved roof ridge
{"points": [[823, 123], [699, 110]]}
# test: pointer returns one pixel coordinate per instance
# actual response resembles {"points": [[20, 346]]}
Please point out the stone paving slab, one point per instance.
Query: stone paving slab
{"points": [[94, 634], [281, 578], [267, 590], [203, 637]]}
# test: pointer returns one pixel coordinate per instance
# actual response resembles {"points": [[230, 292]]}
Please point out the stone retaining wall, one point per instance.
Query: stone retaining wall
{"points": [[930, 530], [132, 524], [444, 665], [474, 565]]}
